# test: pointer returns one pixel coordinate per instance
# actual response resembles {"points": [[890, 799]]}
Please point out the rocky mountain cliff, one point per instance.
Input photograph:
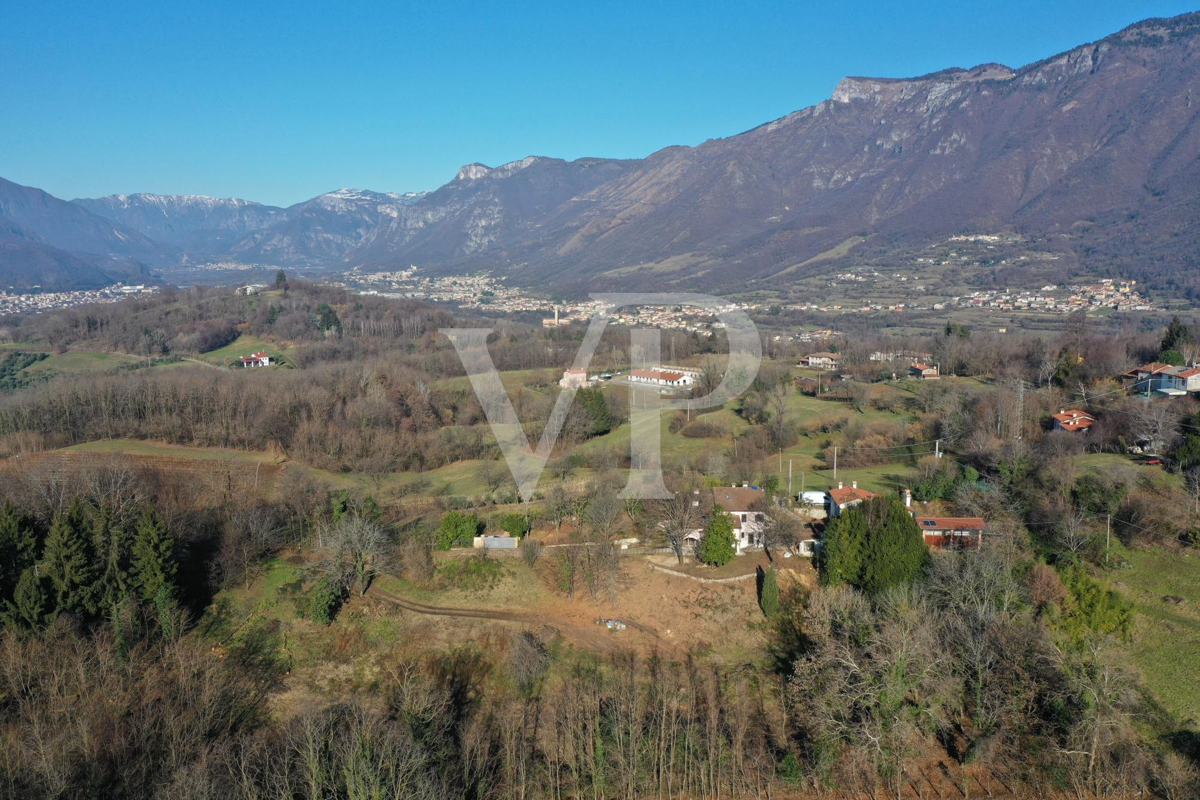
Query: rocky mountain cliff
{"points": [[195, 223]]}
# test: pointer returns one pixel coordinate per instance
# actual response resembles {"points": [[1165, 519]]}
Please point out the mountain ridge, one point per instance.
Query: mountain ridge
{"points": [[1094, 152]]}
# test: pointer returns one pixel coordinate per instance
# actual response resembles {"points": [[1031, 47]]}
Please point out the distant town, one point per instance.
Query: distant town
{"points": [[45, 301]]}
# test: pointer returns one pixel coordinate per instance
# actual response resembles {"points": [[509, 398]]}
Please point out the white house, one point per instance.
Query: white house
{"points": [[821, 361], [1184, 380], [257, 360], [744, 504], [844, 497]]}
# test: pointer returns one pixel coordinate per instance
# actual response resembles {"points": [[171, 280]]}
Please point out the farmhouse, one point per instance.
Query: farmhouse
{"points": [[744, 504], [257, 360], [574, 379], [821, 361], [844, 497], [923, 371], [1072, 420]]}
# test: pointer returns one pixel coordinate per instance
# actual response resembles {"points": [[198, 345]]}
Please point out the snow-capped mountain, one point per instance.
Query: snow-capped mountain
{"points": [[194, 222], [322, 230]]}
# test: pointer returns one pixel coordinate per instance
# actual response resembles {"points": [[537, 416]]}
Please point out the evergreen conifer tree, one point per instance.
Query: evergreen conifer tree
{"points": [[769, 597], [68, 566], [31, 601], [718, 545], [153, 564], [18, 548]]}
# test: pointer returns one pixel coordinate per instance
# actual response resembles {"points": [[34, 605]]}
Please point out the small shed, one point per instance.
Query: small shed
{"points": [[500, 542]]}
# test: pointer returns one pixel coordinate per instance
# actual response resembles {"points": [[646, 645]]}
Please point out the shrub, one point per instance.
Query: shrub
{"points": [[325, 600], [513, 523], [457, 529]]}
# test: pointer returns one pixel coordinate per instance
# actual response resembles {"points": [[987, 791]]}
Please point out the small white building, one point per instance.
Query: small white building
{"points": [[574, 379]]}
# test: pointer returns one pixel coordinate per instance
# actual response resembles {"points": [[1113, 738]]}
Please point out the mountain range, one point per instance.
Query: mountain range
{"points": [[1093, 153]]}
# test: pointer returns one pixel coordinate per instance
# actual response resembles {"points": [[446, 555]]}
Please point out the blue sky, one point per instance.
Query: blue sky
{"points": [[278, 102]]}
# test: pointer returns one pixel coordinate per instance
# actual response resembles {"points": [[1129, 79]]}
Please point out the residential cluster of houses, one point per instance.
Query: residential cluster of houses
{"points": [[747, 504], [1164, 379], [832, 361]]}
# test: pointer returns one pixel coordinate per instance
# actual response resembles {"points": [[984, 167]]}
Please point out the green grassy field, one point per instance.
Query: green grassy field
{"points": [[75, 362], [1166, 646], [140, 448], [244, 345]]}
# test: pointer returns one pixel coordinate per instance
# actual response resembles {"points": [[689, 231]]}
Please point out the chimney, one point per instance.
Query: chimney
{"points": [[839, 484], [907, 499], [853, 484], [1062, 411]]}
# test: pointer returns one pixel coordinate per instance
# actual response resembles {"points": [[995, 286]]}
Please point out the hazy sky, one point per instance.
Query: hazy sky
{"points": [[278, 102]]}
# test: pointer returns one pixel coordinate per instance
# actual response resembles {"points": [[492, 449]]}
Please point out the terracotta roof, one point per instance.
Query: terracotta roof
{"points": [[922, 367], [1188, 373], [656, 375], [1154, 368], [1074, 419], [737, 498], [834, 356], [576, 372], [950, 523], [849, 494]]}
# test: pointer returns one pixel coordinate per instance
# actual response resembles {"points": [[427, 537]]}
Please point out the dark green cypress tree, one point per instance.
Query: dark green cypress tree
{"points": [[18, 548], [68, 565], [153, 562], [840, 559], [30, 606], [769, 597], [895, 551]]}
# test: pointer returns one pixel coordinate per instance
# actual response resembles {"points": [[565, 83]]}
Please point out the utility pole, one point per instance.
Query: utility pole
{"points": [[1107, 535], [937, 448], [789, 479], [835, 463], [1020, 408]]}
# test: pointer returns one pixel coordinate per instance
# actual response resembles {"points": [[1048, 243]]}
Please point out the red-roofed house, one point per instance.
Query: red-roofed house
{"points": [[1186, 380], [923, 371], [257, 360], [1072, 420], [951, 533], [844, 497], [1149, 377]]}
